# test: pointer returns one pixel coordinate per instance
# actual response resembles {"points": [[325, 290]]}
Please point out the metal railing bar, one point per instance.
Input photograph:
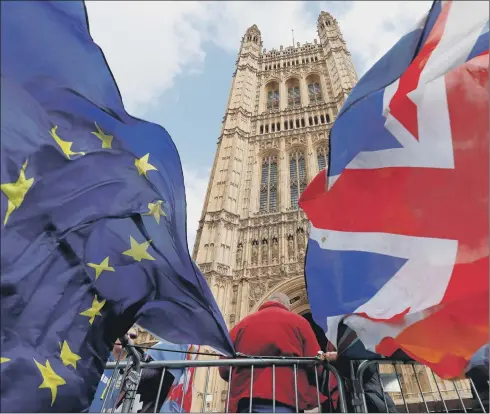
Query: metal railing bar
{"points": [[111, 383], [221, 363], [251, 389], [229, 389], [420, 388], [203, 408], [460, 399], [318, 391], [273, 388], [358, 376], [477, 395], [439, 391], [159, 389], [401, 388], [382, 388], [296, 387], [123, 379]]}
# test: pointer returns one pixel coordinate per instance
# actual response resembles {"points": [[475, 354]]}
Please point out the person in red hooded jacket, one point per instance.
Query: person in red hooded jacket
{"points": [[273, 331]]}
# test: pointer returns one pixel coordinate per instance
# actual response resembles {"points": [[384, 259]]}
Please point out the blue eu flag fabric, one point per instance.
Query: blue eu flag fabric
{"points": [[93, 217]]}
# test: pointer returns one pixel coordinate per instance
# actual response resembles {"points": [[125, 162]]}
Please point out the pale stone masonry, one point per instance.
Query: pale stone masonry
{"points": [[252, 235]]}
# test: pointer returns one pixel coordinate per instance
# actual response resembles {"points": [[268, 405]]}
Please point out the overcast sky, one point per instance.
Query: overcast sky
{"points": [[173, 61]]}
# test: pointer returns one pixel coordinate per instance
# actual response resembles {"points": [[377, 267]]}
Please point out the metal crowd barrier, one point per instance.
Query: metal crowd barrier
{"points": [[434, 395], [131, 373], [405, 386]]}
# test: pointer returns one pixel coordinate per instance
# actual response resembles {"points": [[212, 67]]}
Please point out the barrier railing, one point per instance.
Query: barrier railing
{"points": [[129, 401], [399, 386], [439, 395]]}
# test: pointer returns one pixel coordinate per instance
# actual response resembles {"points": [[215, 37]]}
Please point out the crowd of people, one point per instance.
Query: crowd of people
{"points": [[274, 331]]}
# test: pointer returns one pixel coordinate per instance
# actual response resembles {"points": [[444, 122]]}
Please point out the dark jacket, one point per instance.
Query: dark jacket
{"points": [[479, 375], [373, 390]]}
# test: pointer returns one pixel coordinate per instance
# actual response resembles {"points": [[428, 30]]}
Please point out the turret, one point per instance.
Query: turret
{"points": [[328, 28], [339, 63], [251, 41]]}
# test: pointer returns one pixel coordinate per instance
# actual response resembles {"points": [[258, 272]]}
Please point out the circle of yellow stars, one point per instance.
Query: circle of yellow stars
{"points": [[16, 193]]}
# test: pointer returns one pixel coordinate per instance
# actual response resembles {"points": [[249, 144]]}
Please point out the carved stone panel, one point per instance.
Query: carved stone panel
{"points": [[257, 290], [265, 252], [255, 252], [239, 255]]}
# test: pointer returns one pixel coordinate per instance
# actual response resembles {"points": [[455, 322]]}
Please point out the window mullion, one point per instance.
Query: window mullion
{"points": [[269, 202], [297, 173]]}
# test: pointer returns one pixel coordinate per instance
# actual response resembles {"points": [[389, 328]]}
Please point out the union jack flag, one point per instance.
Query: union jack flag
{"points": [[398, 247]]}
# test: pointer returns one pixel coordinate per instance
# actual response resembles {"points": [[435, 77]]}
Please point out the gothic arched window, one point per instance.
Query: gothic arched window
{"points": [[297, 176], [322, 157], [294, 98], [272, 95], [268, 184], [314, 89]]}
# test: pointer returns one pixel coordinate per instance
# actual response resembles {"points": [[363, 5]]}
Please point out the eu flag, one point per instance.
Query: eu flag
{"points": [[93, 217]]}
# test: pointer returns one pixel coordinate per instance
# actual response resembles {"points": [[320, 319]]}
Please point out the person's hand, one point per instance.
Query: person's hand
{"points": [[330, 356]]}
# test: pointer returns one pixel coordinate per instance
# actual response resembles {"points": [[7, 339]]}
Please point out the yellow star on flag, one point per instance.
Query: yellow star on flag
{"points": [[106, 139], [94, 310], [155, 210], [143, 165], [16, 192], [138, 251], [64, 145], [51, 379], [67, 356], [2, 360], [99, 268]]}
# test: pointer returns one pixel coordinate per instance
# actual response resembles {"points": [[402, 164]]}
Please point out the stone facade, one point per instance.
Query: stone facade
{"points": [[252, 235], [246, 246]]}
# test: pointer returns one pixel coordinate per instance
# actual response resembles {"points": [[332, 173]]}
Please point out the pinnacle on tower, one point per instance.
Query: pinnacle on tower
{"points": [[253, 35], [325, 20]]}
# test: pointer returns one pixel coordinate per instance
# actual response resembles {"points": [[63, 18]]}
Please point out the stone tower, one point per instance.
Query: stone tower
{"points": [[252, 235]]}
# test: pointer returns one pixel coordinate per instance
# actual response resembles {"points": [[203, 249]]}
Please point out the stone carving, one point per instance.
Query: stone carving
{"points": [[301, 240], [222, 268], [205, 267], [255, 252], [275, 250], [257, 290], [274, 143], [265, 251], [239, 253], [291, 247]]}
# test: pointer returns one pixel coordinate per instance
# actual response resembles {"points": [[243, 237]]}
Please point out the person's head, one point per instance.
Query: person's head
{"points": [[118, 349], [281, 298]]}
